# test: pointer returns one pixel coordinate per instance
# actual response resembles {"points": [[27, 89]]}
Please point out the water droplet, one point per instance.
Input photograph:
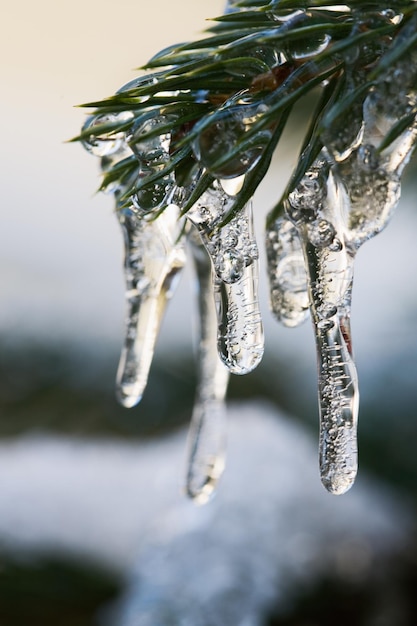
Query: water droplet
{"points": [[217, 141], [326, 310], [153, 260], [154, 150], [306, 47], [136, 83], [285, 15], [392, 16], [152, 154], [151, 197], [104, 141]]}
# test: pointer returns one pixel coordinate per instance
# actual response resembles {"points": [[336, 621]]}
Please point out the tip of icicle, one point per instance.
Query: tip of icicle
{"points": [[201, 496], [200, 492], [127, 400], [337, 485]]}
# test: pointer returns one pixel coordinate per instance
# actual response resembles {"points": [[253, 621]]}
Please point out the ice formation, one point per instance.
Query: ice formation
{"points": [[344, 197]]}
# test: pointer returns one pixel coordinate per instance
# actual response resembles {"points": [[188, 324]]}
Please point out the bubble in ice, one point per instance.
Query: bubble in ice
{"points": [[230, 265], [305, 201], [240, 330], [105, 139], [367, 157], [321, 233], [210, 209], [233, 247]]}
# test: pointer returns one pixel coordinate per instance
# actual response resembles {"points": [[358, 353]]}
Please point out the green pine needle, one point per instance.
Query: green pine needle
{"points": [[266, 54]]}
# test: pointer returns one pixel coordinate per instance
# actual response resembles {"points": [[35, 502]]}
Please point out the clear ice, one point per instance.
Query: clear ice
{"points": [[154, 252], [316, 208], [107, 143], [152, 155], [230, 127], [287, 273], [234, 255], [153, 259], [226, 269], [346, 197], [207, 436]]}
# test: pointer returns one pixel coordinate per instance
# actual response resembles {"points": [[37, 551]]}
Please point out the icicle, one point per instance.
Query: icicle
{"points": [[374, 194], [154, 256], [335, 213], [372, 175], [207, 437], [153, 260], [287, 274], [317, 209], [373, 179], [234, 256], [240, 338]]}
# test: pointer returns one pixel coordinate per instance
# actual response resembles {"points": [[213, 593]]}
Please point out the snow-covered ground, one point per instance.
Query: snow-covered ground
{"points": [[270, 527]]}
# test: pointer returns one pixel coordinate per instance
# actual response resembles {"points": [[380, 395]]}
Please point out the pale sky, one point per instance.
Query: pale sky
{"points": [[60, 248]]}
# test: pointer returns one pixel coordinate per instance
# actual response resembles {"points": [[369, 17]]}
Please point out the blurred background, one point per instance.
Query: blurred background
{"points": [[94, 528]]}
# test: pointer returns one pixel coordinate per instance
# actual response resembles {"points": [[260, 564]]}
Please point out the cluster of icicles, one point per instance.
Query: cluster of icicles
{"points": [[344, 199]]}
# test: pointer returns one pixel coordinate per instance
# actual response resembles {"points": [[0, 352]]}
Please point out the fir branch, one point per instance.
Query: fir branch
{"points": [[269, 54]]}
